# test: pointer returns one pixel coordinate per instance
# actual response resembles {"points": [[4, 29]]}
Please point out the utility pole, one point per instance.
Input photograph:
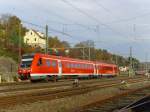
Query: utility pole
{"points": [[20, 40], [64, 28], [146, 65], [131, 72], [116, 60], [46, 47], [83, 56], [89, 53], [131, 57]]}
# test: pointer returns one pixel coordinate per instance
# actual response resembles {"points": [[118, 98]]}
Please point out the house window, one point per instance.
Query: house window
{"points": [[27, 41]]}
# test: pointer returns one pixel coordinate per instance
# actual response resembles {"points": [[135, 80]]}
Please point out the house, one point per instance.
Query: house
{"points": [[35, 39], [123, 69]]}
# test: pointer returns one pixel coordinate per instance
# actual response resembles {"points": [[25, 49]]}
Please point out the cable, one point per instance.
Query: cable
{"points": [[42, 27], [91, 17], [58, 16], [129, 19], [100, 5]]}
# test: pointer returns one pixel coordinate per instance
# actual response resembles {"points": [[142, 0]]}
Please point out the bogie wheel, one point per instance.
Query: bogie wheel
{"points": [[55, 79], [33, 81], [47, 78]]}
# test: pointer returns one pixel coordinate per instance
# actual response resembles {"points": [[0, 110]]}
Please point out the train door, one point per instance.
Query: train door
{"points": [[97, 70], [94, 69], [59, 68], [113, 70]]}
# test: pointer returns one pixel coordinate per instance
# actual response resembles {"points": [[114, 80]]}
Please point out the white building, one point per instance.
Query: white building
{"points": [[35, 39], [123, 69]]}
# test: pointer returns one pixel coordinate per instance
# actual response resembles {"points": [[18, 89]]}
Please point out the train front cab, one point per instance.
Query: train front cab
{"points": [[45, 68], [24, 68]]}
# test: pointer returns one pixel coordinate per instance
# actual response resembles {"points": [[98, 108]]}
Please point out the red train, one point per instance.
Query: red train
{"points": [[41, 66]]}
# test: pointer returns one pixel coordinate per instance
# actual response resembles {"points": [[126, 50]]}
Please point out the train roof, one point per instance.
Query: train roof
{"points": [[71, 59], [106, 64], [64, 58]]}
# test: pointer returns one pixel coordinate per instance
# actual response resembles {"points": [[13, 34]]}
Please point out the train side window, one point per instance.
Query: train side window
{"points": [[76, 65], [90, 66], [82, 66], [40, 62], [85, 66], [48, 63], [69, 65], [53, 63], [79, 66]]}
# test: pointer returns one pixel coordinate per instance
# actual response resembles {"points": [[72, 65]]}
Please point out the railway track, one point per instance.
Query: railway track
{"points": [[114, 104], [59, 81], [41, 86], [67, 83], [49, 94]]}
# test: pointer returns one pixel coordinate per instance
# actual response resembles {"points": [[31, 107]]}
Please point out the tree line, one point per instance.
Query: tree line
{"points": [[11, 29]]}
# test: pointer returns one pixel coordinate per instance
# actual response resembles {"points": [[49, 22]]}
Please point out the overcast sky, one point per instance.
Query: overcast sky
{"points": [[114, 25]]}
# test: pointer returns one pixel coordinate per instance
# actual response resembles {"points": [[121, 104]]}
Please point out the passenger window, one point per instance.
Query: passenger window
{"points": [[72, 65], [53, 63], [85, 66], [48, 63], [78, 65], [68, 65], [82, 66]]}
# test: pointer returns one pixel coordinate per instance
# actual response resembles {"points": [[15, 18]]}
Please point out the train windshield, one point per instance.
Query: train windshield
{"points": [[26, 64], [26, 61]]}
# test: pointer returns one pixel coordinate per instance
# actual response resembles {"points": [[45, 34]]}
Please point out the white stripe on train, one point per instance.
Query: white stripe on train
{"points": [[45, 74]]}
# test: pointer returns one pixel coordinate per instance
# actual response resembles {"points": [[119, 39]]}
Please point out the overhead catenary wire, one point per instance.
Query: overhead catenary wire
{"points": [[62, 18], [92, 18], [57, 31], [101, 6], [49, 28], [130, 18]]}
